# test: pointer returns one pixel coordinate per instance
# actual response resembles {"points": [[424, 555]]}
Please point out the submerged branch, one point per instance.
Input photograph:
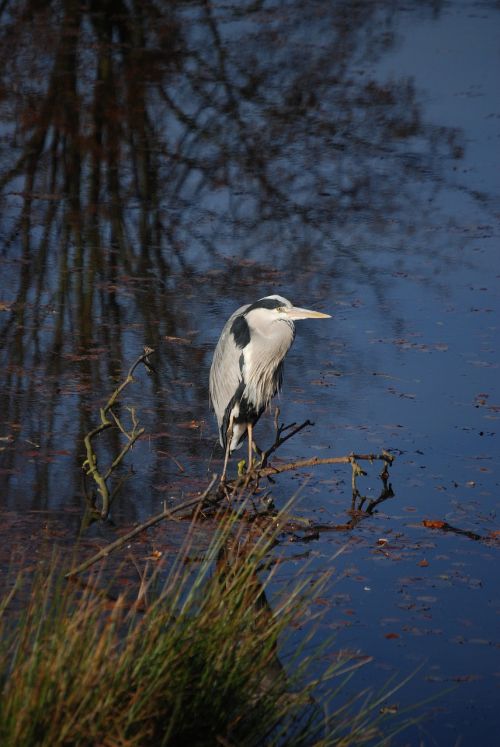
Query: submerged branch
{"points": [[445, 527]]}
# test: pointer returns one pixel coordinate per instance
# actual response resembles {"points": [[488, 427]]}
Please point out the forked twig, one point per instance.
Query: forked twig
{"points": [[229, 489], [109, 419], [279, 439], [315, 461], [262, 470]]}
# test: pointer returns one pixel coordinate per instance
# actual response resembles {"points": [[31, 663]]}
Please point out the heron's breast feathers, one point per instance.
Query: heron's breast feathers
{"points": [[262, 374]]}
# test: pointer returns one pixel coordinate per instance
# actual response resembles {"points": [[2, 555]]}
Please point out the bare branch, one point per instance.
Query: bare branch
{"points": [[316, 461], [110, 420]]}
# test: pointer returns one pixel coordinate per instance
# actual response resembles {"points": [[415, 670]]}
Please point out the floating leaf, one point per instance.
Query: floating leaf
{"points": [[191, 424], [431, 524]]}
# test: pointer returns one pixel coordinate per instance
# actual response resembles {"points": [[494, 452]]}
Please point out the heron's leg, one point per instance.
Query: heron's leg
{"points": [[229, 437], [226, 459], [250, 447]]}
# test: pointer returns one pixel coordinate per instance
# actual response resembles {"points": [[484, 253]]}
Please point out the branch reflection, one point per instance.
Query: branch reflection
{"points": [[156, 154]]}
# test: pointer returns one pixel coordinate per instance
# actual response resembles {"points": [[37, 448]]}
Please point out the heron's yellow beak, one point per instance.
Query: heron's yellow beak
{"points": [[296, 313]]}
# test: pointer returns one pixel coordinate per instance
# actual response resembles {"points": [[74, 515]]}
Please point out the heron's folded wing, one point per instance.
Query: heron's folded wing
{"points": [[225, 373]]}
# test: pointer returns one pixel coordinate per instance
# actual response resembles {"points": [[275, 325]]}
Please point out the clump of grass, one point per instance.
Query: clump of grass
{"points": [[197, 665]]}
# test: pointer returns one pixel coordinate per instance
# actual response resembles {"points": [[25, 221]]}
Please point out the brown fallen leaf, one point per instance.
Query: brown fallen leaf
{"points": [[155, 555], [192, 424], [390, 636], [423, 563], [433, 524]]}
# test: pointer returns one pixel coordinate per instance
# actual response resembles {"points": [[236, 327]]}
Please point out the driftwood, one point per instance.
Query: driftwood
{"points": [[230, 492], [223, 493], [351, 459]]}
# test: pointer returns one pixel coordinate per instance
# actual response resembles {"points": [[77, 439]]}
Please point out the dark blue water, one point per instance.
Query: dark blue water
{"points": [[344, 155]]}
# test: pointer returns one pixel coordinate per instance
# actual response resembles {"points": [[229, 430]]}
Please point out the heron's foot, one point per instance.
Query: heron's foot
{"points": [[242, 467]]}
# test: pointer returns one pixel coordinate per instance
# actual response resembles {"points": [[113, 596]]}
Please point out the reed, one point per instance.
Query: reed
{"points": [[193, 660]]}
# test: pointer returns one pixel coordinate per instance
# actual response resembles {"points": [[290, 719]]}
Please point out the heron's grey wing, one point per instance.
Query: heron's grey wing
{"points": [[225, 372]]}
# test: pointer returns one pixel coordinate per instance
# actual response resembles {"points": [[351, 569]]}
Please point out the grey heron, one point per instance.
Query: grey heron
{"points": [[247, 367]]}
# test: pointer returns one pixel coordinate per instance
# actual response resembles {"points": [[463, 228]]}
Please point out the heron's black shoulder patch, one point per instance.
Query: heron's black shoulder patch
{"points": [[240, 331], [265, 303]]}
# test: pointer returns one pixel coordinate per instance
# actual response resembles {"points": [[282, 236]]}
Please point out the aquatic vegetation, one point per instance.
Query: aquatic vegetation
{"points": [[195, 662]]}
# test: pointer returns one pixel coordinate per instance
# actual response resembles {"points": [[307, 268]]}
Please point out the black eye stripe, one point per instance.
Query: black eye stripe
{"points": [[265, 303]]}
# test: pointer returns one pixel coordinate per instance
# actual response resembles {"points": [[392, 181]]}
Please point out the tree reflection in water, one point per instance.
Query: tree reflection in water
{"points": [[157, 154]]}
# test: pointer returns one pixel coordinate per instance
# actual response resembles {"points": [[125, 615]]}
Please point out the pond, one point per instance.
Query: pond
{"points": [[162, 164]]}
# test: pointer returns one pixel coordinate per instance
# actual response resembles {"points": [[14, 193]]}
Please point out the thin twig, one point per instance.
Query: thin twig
{"points": [[118, 424], [132, 439], [279, 440], [170, 456]]}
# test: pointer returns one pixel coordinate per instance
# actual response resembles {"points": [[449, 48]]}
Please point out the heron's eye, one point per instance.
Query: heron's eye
{"points": [[280, 309]]}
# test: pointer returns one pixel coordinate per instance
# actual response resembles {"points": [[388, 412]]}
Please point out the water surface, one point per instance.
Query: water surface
{"points": [[157, 171]]}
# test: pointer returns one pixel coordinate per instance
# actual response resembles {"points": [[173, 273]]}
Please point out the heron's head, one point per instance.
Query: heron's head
{"points": [[277, 308]]}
